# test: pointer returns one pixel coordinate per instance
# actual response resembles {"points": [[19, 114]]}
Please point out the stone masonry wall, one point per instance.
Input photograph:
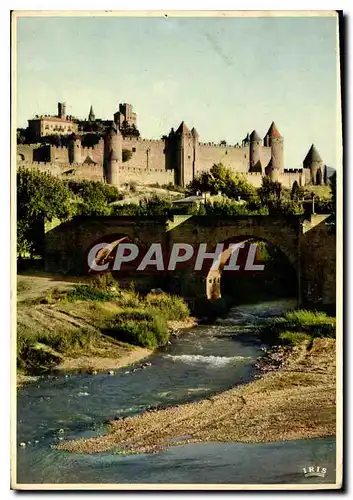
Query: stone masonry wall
{"points": [[146, 154]]}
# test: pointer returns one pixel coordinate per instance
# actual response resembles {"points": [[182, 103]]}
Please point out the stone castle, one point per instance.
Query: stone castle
{"points": [[176, 158]]}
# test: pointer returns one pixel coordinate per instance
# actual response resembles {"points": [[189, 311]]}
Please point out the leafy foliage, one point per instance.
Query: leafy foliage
{"points": [[129, 130], [228, 207], [90, 140], [154, 205], [319, 177], [127, 155], [277, 199], [295, 192], [222, 179], [93, 198], [333, 181], [41, 197]]}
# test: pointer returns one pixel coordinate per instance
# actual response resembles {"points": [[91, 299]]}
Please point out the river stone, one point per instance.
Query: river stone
{"points": [[111, 372], [22, 444]]}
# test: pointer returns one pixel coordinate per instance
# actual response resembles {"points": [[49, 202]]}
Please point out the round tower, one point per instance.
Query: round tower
{"points": [[75, 149], [255, 152], [113, 148], [184, 155], [274, 140], [271, 172], [313, 164], [195, 136]]}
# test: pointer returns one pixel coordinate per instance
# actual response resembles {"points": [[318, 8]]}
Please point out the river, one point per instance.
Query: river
{"points": [[201, 362]]}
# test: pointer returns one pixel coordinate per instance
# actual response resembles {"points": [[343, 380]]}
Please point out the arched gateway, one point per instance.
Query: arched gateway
{"points": [[309, 246]]}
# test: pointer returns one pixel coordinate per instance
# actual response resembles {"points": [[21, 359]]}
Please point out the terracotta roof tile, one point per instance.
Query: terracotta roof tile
{"points": [[273, 132]]}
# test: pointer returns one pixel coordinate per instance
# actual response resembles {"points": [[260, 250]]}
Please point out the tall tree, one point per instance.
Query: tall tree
{"points": [[325, 176], [333, 180], [319, 177], [41, 197], [295, 193]]}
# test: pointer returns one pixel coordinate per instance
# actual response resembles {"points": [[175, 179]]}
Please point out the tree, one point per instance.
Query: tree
{"points": [[295, 193], [93, 198], [325, 176], [270, 191], [127, 155], [41, 197], [90, 140], [129, 130], [222, 179], [333, 180], [276, 199], [319, 177]]}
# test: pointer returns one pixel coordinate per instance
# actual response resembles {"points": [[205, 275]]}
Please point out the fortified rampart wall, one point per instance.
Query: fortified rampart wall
{"points": [[146, 154], [148, 164], [95, 172]]}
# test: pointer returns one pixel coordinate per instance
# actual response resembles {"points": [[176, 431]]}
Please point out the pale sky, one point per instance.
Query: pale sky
{"points": [[223, 76]]}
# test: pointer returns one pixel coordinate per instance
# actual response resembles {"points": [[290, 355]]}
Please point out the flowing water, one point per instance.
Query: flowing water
{"points": [[201, 362]]}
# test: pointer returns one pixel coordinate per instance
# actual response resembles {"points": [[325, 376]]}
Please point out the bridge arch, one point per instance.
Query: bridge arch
{"points": [[215, 278]]}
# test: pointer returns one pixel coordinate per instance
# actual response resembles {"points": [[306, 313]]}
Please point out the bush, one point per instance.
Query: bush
{"points": [[171, 306], [40, 352], [93, 198], [88, 292], [141, 327], [126, 155]]}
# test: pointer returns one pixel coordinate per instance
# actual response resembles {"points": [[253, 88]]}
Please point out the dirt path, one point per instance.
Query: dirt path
{"points": [[35, 284]]}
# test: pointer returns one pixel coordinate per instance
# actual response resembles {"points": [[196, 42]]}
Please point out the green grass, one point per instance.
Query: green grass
{"points": [[80, 319], [88, 292], [323, 192], [310, 323], [171, 306], [293, 338]]}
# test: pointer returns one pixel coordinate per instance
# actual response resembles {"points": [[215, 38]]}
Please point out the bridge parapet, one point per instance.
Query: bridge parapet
{"points": [[308, 245]]}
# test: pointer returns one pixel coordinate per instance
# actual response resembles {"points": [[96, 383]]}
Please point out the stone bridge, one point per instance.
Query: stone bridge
{"points": [[309, 245]]}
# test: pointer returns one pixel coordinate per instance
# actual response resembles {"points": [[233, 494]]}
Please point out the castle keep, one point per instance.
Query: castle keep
{"points": [[176, 158]]}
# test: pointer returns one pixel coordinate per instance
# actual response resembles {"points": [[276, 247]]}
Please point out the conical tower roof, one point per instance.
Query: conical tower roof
{"points": [[194, 131], [273, 132], [183, 129], [313, 155], [91, 115], [254, 136]]}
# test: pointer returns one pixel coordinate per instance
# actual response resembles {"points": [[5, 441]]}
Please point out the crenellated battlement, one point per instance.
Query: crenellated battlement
{"points": [[222, 146], [293, 171], [177, 157]]}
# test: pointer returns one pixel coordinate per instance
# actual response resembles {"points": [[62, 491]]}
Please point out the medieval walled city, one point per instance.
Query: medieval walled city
{"points": [[112, 151]]}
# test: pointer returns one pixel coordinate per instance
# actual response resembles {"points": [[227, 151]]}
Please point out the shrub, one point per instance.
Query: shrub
{"points": [[126, 155], [87, 292], [171, 306], [141, 327]]}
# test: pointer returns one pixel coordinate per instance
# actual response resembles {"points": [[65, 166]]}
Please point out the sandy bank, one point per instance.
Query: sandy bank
{"points": [[85, 363], [295, 402]]}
